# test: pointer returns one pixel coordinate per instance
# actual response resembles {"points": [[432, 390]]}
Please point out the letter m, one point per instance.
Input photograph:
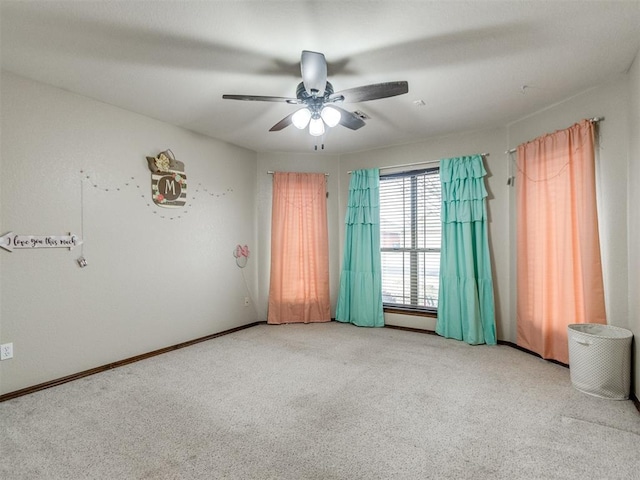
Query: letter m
{"points": [[170, 185]]}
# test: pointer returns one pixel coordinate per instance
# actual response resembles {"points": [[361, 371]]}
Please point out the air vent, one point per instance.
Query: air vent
{"points": [[360, 114]]}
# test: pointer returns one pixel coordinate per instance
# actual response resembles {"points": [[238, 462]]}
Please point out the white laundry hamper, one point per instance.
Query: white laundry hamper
{"points": [[600, 359]]}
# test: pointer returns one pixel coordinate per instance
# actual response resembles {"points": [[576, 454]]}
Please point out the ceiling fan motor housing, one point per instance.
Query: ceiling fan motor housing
{"points": [[312, 102]]}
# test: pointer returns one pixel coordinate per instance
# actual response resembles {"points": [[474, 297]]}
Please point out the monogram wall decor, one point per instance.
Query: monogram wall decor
{"points": [[168, 180]]}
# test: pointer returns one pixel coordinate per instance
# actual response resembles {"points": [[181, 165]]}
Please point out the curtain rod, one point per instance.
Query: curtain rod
{"points": [[271, 172], [429, 162], [594, 120]]}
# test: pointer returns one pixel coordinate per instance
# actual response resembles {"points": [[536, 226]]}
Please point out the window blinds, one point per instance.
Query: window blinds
{"points": [[410, 232]]}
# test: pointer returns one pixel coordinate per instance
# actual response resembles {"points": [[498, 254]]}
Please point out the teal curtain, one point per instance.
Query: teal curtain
{"points": [[465, 301], [360, 297]]}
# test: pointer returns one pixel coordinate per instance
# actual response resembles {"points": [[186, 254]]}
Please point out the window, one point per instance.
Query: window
{"points": [[410, 232]]}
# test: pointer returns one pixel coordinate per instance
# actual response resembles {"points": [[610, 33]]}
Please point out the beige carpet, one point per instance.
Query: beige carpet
{"points": [[322, 401]]}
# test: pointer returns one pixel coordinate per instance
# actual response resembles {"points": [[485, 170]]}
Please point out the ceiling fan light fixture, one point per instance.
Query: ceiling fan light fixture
{"points": [[301, 118], [331, 116], [316, 127], [318, 101]]}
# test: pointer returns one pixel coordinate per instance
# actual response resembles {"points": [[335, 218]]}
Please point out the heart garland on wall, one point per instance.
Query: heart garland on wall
{"points": [[168, 187]]}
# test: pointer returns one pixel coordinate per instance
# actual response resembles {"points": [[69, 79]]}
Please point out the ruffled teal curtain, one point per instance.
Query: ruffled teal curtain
{"points": [[465, 301], [360, 297]]}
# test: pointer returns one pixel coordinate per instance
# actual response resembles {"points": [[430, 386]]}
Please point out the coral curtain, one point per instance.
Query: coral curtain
{"points": [[466, 308], [360, 297], [559, 267], [299, 283]]}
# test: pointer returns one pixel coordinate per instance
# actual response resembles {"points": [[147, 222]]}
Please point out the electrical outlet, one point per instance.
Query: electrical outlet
{"points": [[246, 301], [6, 351]]}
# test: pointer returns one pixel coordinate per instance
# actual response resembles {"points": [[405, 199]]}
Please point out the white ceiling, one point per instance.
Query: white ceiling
{"points": [[467, 60]]}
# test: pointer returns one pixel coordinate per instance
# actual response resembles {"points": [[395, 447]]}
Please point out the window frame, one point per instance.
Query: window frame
{"points": [[413, 250]]}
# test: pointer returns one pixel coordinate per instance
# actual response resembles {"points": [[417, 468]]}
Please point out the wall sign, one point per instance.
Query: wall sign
{"points": [[168, 180], [10, 241]]}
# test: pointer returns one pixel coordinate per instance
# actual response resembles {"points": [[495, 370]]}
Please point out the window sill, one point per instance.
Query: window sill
{"points": [[415, 313]]}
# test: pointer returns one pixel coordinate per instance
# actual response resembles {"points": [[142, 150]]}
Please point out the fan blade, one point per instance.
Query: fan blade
{"points": [[371, 92], [349, 119], [285, 122], [313, 67], [258, 98]]}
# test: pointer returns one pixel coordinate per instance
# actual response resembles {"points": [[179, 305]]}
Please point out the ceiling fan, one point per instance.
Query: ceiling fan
{"points": [[321, 102]]}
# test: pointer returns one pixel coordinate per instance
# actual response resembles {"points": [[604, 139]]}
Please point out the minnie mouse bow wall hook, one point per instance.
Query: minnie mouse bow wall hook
{"points": [[242, 254], [168, 180]]}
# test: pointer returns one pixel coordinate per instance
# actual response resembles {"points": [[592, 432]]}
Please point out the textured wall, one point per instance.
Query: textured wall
{"points": [[154, 282], [151, 281]]}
